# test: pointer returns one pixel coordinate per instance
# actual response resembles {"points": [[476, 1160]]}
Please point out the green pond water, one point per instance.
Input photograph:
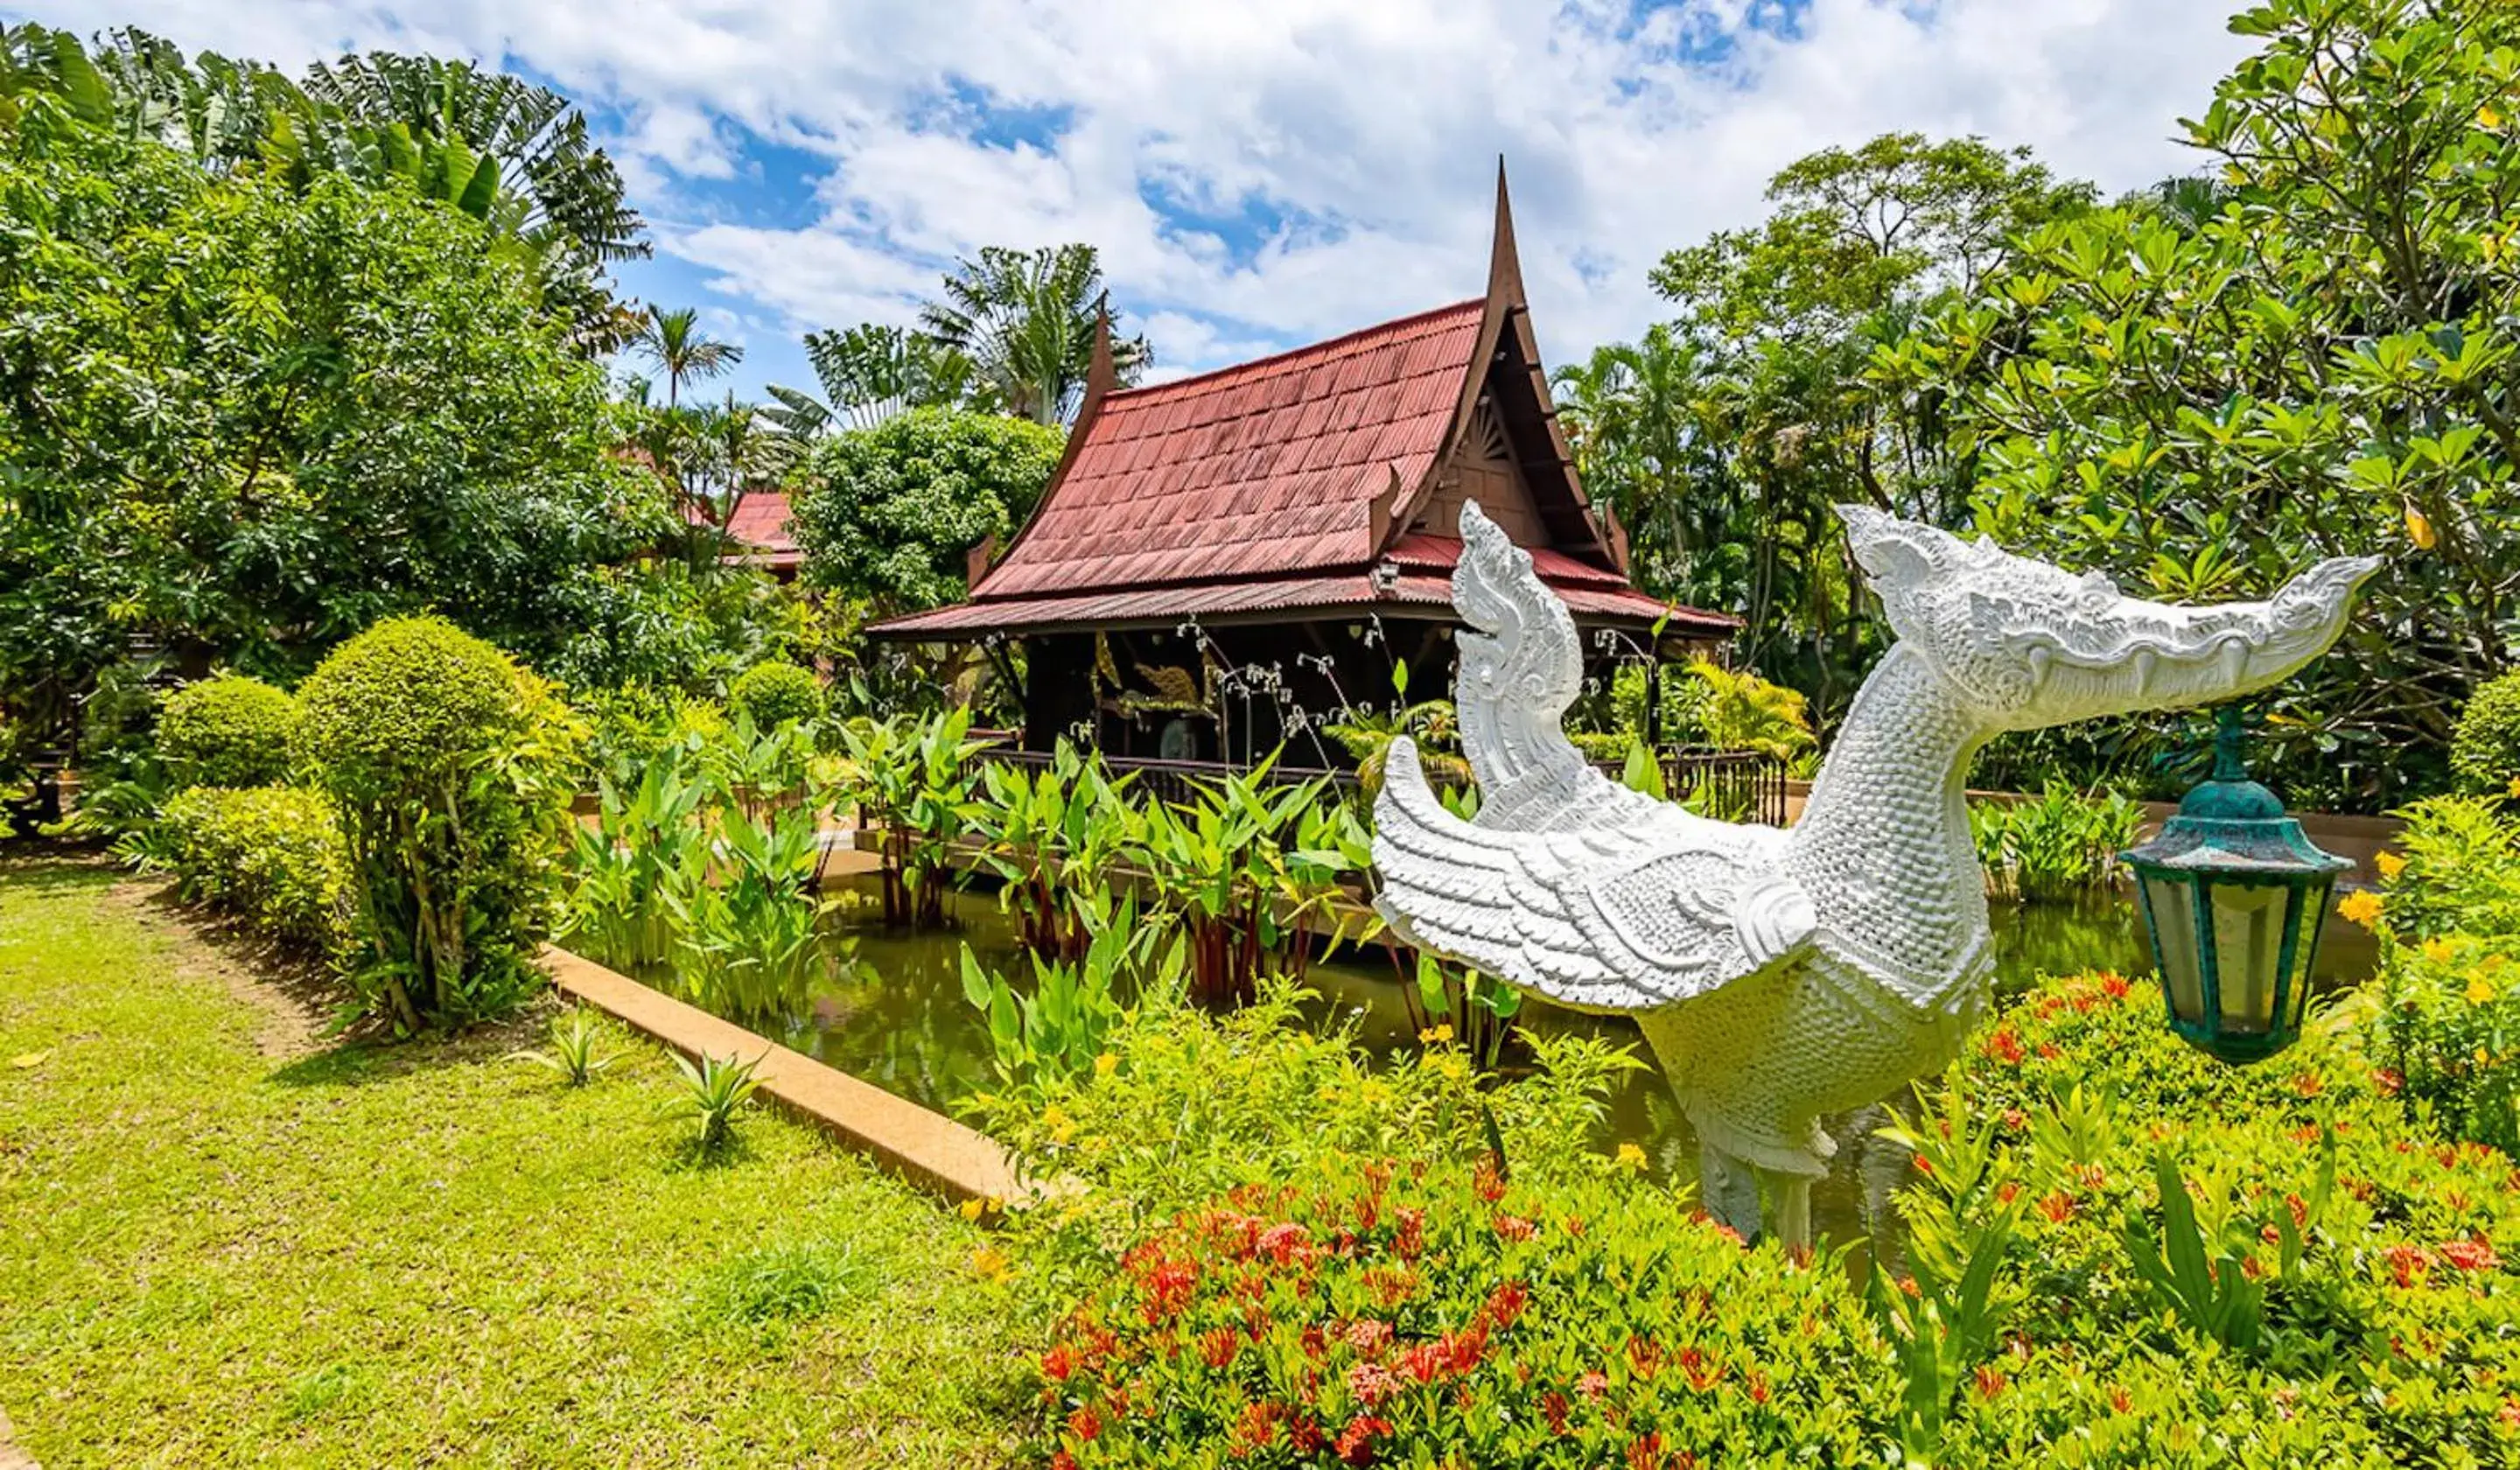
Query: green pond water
{"points": [[895, 1016]]}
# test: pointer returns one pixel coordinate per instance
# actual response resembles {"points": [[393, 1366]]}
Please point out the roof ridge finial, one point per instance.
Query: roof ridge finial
{"points": [[1504, 261]]}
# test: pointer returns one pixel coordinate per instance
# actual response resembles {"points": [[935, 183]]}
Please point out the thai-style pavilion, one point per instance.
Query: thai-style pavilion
{"points": [[1216, 553]]}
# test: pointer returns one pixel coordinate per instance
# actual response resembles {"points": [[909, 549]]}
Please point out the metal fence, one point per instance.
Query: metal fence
{"points": [[1735, 786]]}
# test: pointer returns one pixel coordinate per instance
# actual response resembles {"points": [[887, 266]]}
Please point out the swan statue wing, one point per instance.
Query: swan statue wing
{"points": [[1567, 883]]}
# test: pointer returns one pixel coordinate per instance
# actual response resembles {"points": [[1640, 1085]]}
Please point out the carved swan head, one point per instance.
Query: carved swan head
{"points": [[2028, 645]]}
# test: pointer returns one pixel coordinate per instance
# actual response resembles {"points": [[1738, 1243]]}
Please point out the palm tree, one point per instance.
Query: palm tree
{"points": [[674, 342], [1025, 319], [868, 374]]}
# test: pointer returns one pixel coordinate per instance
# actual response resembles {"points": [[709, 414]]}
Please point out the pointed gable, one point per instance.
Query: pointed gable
{"points": [[1328, 477]]}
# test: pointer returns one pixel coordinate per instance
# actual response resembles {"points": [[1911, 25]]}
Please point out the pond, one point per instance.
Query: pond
{"points": [[895, 1016]]}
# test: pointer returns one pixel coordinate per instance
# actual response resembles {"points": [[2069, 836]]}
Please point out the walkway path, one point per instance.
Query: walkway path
{"points": [[11, 1457]]}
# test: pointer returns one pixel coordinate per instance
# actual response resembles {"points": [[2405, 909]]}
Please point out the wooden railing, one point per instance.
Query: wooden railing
{"points": [[1737, 785]]}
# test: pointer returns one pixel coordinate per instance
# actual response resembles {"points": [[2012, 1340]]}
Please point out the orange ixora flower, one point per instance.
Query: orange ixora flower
{"points": [[2362, 906]]}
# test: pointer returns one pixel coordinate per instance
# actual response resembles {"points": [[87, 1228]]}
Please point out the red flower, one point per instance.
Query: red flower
{"points": [[1372, 1383], [2015, 1119], [2408, 1263], [1924, 1165], [1062, 1461], [2049, 1051], [1989, 1380], [1058, 1363], [1304, 1437], [1085, 1423], [1168, 1289], [2004, 1046], [1260, 1423], [2007, 1193], [1646, 1454], [1356, 1442], [1553, 1407], [1316, 1343], [2114, 986], [2388, 1080], [1644, 1357], [1220, 1347], [1506, 1302], [2121, 1400], [1593, 1385], [1412, 1234], [1759, 1388], [1421, 1363], [2472, 1255], [1369, 1337], [2307, 1084], [1284, 1243], [1513, 1228], [2057, 1206], [1464, 1349]]}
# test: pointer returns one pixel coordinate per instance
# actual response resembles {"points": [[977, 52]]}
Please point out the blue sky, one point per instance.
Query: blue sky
{"points": [[1256, 175]]}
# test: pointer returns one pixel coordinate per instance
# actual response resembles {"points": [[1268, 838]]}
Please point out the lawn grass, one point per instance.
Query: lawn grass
{"points": [[225, 1240]]}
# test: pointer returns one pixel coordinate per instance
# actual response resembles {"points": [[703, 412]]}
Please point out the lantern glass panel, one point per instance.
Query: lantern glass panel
{"points": [[2248, 944], [2315, 897], [2173, 920]]}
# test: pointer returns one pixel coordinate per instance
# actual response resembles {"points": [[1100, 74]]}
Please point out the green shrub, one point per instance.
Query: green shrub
{"points": [[776, 694], [227, 730], [271, 855], [1412, 1314], [2055, 846], [452, 769], [2449, 967], [2485, 744]]}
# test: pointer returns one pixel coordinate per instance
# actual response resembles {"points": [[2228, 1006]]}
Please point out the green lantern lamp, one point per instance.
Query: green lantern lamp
{"points": [[2234, 895]]}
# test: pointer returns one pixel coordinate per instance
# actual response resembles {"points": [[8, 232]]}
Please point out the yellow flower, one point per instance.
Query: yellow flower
{"points": [[2512, 789], [1434, 1033], [2487, 117], [992, 1263], [1373, 1091], [2438, 950], [2362, 906], [2390, 865], [969, 1209], [1631, 1157], [1105, 1064], [2418, 529], [2479, 991]]}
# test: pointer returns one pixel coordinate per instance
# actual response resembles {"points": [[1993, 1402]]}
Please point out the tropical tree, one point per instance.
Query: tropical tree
{"points": [[887, 514], [510, 154], [1724, 437], [1026, 322], [239, 422], [2317, 358], [868, 374], [675, 342]]}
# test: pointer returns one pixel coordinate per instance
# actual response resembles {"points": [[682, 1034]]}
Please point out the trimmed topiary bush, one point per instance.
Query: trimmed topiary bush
{"points": [[776, 694], [271, 855], [2485, 746], [227, 730], [451, 767]]}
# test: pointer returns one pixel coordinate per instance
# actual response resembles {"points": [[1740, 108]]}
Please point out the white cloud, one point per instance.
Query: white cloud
{"points": [[1368, 129]]}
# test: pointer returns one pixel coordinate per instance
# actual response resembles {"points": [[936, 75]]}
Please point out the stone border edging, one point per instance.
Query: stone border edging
{"points": [[928, 1147]]}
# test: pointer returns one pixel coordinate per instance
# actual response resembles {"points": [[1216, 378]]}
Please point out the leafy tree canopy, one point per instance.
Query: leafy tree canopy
{"points": [[243, 420], [2204, 391], [888, 513], [512, 155]]}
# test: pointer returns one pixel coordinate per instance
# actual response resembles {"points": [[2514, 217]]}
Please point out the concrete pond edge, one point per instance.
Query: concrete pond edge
{"points": [[925, 1146]]}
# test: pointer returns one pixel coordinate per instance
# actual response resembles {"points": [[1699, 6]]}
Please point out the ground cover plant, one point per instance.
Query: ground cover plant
{"points": [[227, 1241]]}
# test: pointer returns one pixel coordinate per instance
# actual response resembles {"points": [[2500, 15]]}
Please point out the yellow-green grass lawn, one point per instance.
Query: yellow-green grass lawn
{"points": [[226, 1239]]}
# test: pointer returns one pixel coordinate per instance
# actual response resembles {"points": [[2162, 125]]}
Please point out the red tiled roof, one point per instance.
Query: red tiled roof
{"points": [[760, 520], [1228, 599], [1270, 468]]}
